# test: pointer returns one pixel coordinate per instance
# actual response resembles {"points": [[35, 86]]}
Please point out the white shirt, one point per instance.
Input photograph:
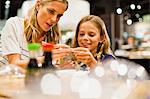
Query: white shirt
{"points": [[13, 38]]}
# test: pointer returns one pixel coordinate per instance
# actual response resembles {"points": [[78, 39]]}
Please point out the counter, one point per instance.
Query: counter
{"points": [[13, 87]]}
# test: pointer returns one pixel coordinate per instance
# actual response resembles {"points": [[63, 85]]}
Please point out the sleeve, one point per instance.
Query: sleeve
{"points": [[107, 56], [9, 38]]}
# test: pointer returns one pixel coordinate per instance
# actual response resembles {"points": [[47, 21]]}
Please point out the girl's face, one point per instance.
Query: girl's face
{"points": [[88, 36], [49, 14]]}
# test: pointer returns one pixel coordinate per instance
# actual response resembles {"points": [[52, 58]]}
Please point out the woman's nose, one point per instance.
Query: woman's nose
{"points": [[53, 19]]}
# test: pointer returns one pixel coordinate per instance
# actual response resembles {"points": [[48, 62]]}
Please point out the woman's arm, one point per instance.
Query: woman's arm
{"points": [[15, 59], [59, 51]]}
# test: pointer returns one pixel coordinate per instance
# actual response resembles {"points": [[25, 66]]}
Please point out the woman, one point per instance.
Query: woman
{"points": [[40, 26], [91, 41]]}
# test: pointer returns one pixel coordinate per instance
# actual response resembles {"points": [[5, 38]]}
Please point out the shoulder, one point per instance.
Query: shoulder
{"points": [[13, 24], [14, 18], [107, 56]]}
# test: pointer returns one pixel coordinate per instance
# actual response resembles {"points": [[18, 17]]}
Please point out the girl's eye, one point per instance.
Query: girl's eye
{"points": [[91, 35], [81, 34]]}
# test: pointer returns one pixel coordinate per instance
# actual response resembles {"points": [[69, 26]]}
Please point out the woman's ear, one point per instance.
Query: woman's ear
{"points": [[37, 5]]}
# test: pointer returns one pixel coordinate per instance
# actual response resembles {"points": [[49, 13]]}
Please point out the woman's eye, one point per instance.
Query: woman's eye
{"points": [[50, 11], [60, 15]]}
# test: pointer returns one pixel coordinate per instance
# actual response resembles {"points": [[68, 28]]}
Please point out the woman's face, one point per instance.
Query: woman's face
{"points": [[88, 36], [49, 14]]}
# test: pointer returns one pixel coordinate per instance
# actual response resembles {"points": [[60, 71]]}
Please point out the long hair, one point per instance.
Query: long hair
{"points": [[99, 23], [31, 31]]}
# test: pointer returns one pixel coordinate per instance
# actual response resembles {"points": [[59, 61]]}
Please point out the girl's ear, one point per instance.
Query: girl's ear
{"points": [[99, 46], [102, 38]]}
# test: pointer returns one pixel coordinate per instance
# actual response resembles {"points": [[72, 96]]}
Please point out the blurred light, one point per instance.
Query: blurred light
{"points": [[146, 18], [131, 83], [140, 71], [51, 85], [99, 71], [26, 7], [76, 81], [140, 20], [114, 64], [137, 15], [70, 34], [129, 21], [74, 13], [16, 70], [139, 7], [125, 34], [122, 69], [131, 73], [7, 2], [132, 6], [119, 11], [126, 17], [8, 69], [7, 6], [90, 89], [121, 92], [64, 37]]}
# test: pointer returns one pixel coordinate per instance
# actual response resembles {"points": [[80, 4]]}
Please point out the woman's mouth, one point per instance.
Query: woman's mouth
{"points": [[49, 25]]}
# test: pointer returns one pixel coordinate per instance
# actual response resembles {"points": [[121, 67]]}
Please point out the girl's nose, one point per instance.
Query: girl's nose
{"points": [[85, 37]]}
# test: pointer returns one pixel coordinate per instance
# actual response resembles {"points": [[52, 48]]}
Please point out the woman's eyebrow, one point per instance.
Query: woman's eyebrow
{"points": [[55, 11]]}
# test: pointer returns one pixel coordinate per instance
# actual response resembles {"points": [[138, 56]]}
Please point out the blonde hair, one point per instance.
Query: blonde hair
{"points": [[99, 23], [31, 27]]}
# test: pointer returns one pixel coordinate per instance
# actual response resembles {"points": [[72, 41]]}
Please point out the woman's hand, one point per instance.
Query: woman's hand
{"points": [[62, 54], [67, 65], [60, 50], [85, 56]]}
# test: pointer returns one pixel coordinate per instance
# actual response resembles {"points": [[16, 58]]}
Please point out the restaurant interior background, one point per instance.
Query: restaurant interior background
{"points": [[127, 22], [129, 30]]}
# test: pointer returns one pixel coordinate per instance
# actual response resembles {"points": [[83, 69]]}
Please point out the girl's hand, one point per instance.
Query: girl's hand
{"points": [[85, 56]]}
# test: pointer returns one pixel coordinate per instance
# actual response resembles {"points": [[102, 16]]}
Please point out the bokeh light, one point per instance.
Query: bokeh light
{"points": [[132, 6], [51, 85], [99, 71], [112, 79], [122, 69], [77, 79], [119, 11], [129, 21], [90, 89]]}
